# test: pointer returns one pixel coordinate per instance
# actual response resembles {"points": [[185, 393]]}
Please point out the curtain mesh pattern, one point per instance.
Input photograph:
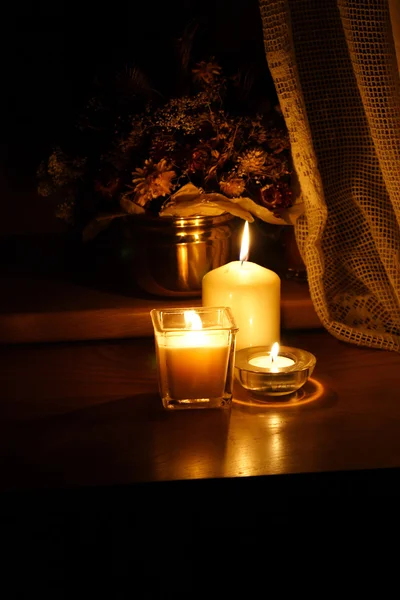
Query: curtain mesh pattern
{"points": [[336, 73]]}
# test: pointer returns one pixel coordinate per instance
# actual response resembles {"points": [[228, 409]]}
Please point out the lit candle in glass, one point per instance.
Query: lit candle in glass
{"points": [[196, 361], [273, 371], [194, 356]]}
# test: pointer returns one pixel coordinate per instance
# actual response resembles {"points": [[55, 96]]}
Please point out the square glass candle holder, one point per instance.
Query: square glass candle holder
{"points": [[195, 349]]}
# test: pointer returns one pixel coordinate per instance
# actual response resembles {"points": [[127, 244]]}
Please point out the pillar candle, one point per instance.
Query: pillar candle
{"points": [[253, 294]]}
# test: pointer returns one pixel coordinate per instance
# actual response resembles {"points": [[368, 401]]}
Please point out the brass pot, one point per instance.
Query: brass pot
{"points": [[171, 255]]}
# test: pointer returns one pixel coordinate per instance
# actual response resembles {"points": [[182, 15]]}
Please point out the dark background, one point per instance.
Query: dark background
{"points": [[51, 51]]}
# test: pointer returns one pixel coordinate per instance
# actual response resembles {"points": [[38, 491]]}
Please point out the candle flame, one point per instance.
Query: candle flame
{"points": [[274, 351], [244, 250], [192, 320]]}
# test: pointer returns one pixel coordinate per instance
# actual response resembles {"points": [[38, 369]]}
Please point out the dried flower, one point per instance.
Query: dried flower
{"points": [[62, 169], [233, 186], [252, 162], [258, 132], [65, 211], [139, 161], [277, 140], [152, 181], [277, 196], [206, 72], [200, 158]]}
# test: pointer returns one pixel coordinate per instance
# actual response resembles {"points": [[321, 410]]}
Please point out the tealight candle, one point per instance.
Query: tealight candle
{"points": [[275, 371], [265, 362], [253, 294], [272, 361]]}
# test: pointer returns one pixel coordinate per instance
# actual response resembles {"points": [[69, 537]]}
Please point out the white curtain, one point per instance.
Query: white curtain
{"points": [[335, 64]]}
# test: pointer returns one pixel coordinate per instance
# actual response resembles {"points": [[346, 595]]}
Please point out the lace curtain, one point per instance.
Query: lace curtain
{"points": [[335, 64]]}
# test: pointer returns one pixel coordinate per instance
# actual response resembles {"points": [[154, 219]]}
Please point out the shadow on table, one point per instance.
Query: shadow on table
{"points": [[121, 441]]}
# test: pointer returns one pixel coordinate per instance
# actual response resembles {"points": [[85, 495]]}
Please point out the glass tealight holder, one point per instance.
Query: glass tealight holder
{"points": [[195, 350], [257, 373]]}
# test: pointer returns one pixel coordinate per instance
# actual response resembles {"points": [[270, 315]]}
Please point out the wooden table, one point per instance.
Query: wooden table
{"points": [[100, 486], [89, 414]]}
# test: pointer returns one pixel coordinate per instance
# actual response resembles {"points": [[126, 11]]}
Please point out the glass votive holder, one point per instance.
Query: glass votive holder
{"points": [[195, 350], [257, 373]]}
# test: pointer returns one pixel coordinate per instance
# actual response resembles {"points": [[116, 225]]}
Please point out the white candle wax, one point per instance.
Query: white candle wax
{"points": [[266, 362], [193, 364], [253, 294]]}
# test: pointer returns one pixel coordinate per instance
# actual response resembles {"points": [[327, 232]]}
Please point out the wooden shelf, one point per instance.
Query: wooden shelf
{"points": [[44, 309]]}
